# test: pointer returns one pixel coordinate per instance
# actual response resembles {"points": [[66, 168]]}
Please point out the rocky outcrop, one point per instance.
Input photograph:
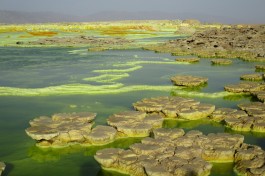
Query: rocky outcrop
{"points": [[221, 61], [220, 114], [188, 60], [61, 129], [250, 160], [245, 42], [188, 80], [250, 117], [172, 152], [175, 107], [252, 77], [76, 128], [101, 135], [260, 95], [135, 123], [245, 87], [78, 40], [2, 167], [260, 67]]}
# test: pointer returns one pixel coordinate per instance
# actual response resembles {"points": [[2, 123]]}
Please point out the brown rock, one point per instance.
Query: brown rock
{"points": [[135, 123], [188, 60], [189, 81], [175, 107], [245, 87], [252, 77], [101, 135]]}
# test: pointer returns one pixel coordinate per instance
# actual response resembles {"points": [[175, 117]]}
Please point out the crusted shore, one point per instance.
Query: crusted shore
{"points": [[245, 42], [173, 152]]}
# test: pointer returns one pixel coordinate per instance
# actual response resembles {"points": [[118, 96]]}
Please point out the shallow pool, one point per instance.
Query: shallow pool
{"points": [[44, 81]]}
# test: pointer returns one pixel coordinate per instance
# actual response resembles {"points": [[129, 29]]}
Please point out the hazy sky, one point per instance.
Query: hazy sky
{"points": [[238, 9]]}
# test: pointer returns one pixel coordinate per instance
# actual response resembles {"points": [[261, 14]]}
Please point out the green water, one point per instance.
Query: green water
{"points": [[44, 81]]}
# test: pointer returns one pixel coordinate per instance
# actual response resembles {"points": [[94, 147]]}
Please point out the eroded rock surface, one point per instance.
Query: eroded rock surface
{"points": [[76, 128], [221, 114], [79, 40], [188, 60], [2, 167], [245, 42], [250, 160], [260, 95], [250, 117], [172, 152], [260, 67], [175, 107], [101, 135], [135, 123], [245, 87], [188, 80], [252, 77], [66, 128]]}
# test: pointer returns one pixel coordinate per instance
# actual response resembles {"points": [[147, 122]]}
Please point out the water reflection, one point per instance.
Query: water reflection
{"points": [[55, 154]]}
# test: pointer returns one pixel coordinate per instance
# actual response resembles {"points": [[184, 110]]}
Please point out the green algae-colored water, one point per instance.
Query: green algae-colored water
{"points": [[43, 81]]}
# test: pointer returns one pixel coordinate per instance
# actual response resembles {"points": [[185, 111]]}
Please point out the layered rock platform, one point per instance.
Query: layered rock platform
{"points": [[173, 152], [188, 60], [63, 129], [175, 107], [188, 80], [250, 117]]}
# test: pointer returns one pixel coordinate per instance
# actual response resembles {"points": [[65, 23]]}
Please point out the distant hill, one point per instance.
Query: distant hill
{"points": [[44, 17]]}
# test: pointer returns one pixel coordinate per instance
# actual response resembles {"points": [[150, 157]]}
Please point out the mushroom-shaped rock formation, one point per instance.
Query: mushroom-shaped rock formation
{"points": [[221, 61], [260, 95], [221, 114], [250, 160], [252, 77], [188, 80], [260, 67], [188, 60], [256, 115], [61, 129], [245, 87], [2, 167], [175, 107], [135, 123], [251, 117], [101, 135], [172, 152]]}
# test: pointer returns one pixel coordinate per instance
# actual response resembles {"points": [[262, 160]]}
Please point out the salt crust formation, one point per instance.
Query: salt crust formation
{"points": [[66, 129], [188, 80], [171, 152], [78, 40], [252, 77], [256, 89], [76, 128], [134, 123], [245, 87], [189, 60], [260, 67], [250, 117], [175, 107], [244, 42]]}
